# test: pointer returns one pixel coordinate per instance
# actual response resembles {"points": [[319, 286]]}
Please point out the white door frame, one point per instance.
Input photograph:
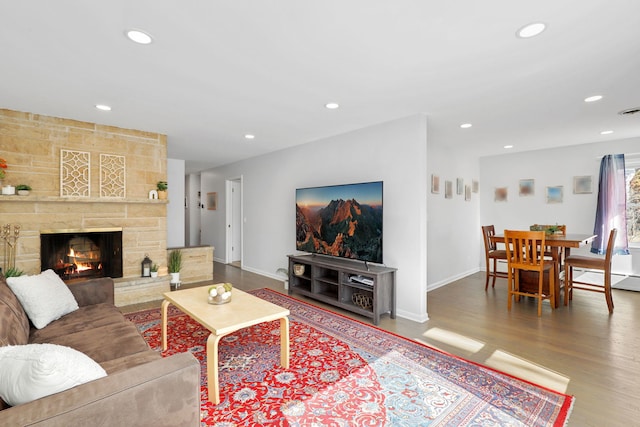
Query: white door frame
{"points": [[229, 213]]}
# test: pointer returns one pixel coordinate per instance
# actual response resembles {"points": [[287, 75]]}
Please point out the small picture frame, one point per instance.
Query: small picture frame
{"points": [[459, 185], [582, 185], [554, 194], [212, 201], [448, 190], [500, 194], [526, 187], [475, 185], [467, 192], [435, 184]]}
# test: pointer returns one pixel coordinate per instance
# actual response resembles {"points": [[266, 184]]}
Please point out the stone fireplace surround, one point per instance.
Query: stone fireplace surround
{"points": [[31, 145]]}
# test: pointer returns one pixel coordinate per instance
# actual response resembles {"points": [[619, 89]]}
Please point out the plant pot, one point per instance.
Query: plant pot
{"points": [[154, 274], [162, 194], [23, 192], [175, 277]]}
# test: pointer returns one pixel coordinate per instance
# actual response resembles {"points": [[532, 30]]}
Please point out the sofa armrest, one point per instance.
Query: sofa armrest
{"points": [[93, 291], [164, 392]]}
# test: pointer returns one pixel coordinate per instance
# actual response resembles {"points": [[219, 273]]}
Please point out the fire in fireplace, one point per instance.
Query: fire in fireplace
{"points": [[87, 253]]}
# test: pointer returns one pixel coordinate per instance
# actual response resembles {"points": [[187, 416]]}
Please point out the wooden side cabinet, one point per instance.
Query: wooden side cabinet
{"points": [[366, 290]]}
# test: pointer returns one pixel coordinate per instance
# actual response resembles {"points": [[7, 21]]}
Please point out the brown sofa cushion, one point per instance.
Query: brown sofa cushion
{"points": [[14, 323], [101, 332]]}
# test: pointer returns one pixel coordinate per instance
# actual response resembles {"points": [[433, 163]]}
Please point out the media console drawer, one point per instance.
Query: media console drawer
{"points": [[368, 290]]}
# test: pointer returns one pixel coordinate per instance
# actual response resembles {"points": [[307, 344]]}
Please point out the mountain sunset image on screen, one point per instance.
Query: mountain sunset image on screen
{"points": [[341, 220]]}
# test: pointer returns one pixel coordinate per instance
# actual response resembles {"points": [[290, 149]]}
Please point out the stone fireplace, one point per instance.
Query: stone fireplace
{"points": [[82, 254], [33, 145]]}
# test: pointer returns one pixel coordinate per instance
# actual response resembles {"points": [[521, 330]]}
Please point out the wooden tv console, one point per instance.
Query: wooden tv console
{"points": [[345, 283]]}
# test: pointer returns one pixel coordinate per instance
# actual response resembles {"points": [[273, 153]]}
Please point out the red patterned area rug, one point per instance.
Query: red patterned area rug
{"points": [[348, 373]]}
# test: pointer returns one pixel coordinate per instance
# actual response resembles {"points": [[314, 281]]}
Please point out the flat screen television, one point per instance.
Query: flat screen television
{"points": [[341, 221]]}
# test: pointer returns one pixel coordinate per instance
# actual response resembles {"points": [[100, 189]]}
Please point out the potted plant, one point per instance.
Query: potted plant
{"points": [[162, 186], [23, 189], [154, 270], [174, 265], [13, 272]]}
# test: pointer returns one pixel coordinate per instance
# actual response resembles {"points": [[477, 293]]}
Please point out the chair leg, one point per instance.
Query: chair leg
{"points": [[495, 266], [509, 290], [539, 296], [607, 292], [486, 284]]}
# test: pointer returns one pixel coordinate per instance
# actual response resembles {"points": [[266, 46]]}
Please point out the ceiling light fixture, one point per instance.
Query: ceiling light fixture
{"points": [[249, 136], [466, 125], [139, 36], [103, 107], [332, 105], [531, 30], [593, 98], [508, 146], [606, 132]]}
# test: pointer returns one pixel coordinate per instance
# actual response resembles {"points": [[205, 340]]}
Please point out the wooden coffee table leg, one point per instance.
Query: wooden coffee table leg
{"points": [[284, 342], [165, 306], [212, 368]]}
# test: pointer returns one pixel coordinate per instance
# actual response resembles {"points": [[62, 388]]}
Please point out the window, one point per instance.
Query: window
{"points": [[632, 175]]}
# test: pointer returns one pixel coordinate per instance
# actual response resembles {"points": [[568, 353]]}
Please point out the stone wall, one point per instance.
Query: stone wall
{"points": [[31, 144]]}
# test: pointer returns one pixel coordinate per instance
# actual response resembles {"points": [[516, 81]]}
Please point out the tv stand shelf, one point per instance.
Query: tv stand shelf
{"points": [[368, 290]]}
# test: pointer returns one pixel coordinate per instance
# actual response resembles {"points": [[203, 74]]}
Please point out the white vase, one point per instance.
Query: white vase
{"points": [[175, 277]]}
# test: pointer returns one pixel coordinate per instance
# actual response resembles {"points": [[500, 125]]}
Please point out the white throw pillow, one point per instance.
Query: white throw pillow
{"points": [[45, 297], [32, 371]]}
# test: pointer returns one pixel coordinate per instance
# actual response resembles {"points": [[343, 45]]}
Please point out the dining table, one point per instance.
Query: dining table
{"points": [[560, 246]]}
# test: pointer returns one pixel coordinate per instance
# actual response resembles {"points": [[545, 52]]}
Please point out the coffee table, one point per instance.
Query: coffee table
{"points": [[243, 311]]}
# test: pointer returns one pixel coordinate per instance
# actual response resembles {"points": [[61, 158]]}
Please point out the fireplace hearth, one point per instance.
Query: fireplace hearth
{"points": [[82, 254]]}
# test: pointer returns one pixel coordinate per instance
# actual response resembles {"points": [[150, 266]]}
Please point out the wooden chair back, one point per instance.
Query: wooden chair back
{"points": [[525, 252]]}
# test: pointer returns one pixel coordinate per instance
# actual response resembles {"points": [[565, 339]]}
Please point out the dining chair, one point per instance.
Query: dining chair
{"points": [[525, 253], [492, 252], [590, 263]]}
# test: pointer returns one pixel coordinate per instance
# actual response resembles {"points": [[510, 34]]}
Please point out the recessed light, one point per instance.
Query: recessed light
{"points": [[103, 107], [606, 132], [249, 136], [332, 105], [531, 30], [139, 36], [466, 125], [508, 146], [593, 98]]}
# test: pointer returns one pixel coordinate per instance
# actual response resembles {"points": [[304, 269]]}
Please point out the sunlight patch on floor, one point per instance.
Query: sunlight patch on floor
{"points": [[527, 370], [453, 339]]}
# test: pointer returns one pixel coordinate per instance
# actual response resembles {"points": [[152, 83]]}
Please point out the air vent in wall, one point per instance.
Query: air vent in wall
{"points": [[629, 111]]}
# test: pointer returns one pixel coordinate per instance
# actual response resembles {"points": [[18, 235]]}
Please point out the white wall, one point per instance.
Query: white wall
{"points": [[552, 167], [175, 207], [193, 208], [393, 152], [452, 223]]}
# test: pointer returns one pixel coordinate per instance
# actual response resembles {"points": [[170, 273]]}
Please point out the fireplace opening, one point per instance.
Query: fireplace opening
{"points": [[82, 254]]}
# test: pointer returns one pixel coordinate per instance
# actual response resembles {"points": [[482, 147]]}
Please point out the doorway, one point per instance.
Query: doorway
{"points": [[234, 222]]}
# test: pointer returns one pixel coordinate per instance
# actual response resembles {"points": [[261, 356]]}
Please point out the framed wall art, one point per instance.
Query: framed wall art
{"points": [[582, 185], [554, 194], [475, 185], [435, 184], [459, 185], [526, 187], [212, 201], [448, 190], [500, 194], [467, 192]]}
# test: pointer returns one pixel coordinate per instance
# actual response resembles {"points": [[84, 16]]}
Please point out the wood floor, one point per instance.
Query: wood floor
{"points": [[579, 350]]}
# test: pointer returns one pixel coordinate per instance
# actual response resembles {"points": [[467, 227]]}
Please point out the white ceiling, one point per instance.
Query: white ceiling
{"points": [[218, 70]]}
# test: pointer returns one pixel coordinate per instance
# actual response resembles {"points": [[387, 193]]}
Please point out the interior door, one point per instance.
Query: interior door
{"points": [[236, 221]]}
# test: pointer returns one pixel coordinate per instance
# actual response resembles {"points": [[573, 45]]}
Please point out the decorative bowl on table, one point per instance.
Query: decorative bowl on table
{"points": [[220, 293], [298, 269]]}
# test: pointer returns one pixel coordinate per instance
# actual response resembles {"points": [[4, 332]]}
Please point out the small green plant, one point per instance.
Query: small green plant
{"points": [[283, 271], [175, 261], [13, 272], [23, 187], [162, 185], [154, 268]]}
